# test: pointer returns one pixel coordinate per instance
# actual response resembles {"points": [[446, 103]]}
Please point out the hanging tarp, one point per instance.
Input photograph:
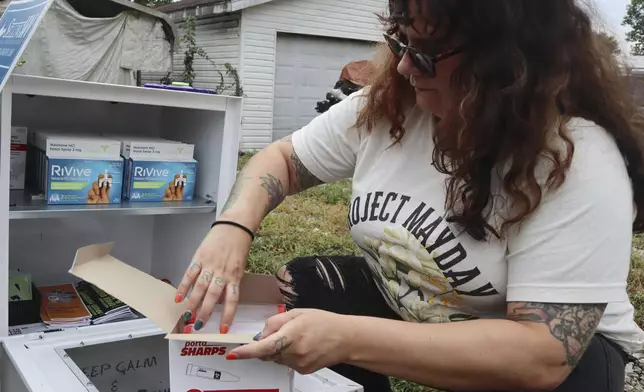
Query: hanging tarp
{"points": [[69, 45]]}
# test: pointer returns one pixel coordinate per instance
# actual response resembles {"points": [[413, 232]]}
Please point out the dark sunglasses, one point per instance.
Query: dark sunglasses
{"points": [[423, 62]]}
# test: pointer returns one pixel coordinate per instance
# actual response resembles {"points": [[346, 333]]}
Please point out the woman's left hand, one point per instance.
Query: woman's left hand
{"points": [[305, 340]]}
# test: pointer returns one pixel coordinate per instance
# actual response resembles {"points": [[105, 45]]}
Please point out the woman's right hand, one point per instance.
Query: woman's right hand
{"points": [[219, 263], [215, 272]]}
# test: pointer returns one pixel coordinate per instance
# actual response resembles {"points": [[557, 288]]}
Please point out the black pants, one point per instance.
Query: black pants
{"points": [[343, 284]]}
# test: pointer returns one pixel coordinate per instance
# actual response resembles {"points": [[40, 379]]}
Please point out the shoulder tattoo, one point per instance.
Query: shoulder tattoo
{"points": [[304, 179]]}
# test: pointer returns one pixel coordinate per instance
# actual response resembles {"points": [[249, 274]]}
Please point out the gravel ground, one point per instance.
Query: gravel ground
{"points": [[635, 374]]}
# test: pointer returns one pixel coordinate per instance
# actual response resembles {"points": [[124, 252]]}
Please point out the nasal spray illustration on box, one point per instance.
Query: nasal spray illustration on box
{"points": [[210, 374]]}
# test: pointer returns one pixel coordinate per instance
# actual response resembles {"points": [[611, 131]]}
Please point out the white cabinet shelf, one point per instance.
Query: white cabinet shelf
{"points": [[40, 210], [60, 88], [157, 238]]}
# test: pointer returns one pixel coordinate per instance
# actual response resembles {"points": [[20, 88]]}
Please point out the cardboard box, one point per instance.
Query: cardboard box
{"points": [[197, 360], [18, 158]]}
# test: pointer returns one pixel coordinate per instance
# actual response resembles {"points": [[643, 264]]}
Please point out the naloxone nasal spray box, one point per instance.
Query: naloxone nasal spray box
{"points": [[158, 170], [73, 169]]}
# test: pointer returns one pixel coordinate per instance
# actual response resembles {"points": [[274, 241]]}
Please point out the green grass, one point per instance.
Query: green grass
{"points": [[314, 222], [311, 223]]}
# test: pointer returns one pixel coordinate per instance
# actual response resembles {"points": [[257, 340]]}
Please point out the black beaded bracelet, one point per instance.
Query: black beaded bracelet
{"points": [[231, 223]]}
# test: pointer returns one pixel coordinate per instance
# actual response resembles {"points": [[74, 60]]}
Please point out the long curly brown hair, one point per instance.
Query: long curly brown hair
{"points": [[529, 67]]}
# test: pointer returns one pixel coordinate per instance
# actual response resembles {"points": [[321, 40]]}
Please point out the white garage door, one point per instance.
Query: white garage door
{"points": [[306, 69]]}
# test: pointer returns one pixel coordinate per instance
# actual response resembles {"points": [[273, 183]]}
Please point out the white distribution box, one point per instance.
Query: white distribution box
{"points": [[126, 356], [197, 360]]}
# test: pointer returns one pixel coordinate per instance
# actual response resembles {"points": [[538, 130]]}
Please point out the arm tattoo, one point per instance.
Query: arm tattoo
{"points": [[303, 178], [571, 324], [275, 190], [235, 192], [272, 184]]}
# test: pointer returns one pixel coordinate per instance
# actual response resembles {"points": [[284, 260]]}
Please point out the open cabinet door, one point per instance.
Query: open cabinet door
{"points": [[129, 356]]}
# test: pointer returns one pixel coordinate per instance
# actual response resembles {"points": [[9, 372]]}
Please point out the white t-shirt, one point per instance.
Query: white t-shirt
{"points": [[574, 249]]}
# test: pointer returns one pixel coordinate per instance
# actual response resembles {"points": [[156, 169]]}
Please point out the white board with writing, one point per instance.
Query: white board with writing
{"points": [[132, 365]]}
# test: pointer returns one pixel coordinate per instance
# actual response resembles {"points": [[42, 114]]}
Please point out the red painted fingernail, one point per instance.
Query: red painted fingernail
{"points": [[193, 319], [232, 356], [223, 329], [187, 329], [281, 308], [178, 298]]}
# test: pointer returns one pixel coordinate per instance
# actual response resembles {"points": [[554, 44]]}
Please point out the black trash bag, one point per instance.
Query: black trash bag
{"points": [[342, 89], [354, 76]]}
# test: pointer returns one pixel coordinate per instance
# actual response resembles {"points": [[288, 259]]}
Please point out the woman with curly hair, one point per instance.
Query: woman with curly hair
{"points": [[498, 179]]}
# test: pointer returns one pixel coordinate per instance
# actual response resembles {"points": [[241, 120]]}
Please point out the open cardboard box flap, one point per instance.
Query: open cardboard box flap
{"points": [[155, 298]]}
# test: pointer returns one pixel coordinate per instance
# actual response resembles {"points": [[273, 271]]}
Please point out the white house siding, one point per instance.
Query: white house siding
{"points": [[355, 20], [219, 37], [306, 67]]}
